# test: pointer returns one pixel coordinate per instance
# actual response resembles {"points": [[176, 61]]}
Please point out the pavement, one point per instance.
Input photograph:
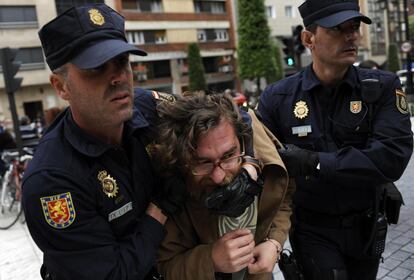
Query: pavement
{"points": [[20, 259]]}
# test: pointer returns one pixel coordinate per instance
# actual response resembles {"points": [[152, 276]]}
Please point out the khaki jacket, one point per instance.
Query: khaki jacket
{"points": [[185, 253]]}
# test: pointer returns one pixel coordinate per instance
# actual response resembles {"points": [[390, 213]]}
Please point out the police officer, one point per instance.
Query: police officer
{"points": [[349, 132], [88, 190]]}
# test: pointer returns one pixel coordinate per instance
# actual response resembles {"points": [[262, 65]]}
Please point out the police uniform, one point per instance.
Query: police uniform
{"points": [[356, 156], [85, 200]]}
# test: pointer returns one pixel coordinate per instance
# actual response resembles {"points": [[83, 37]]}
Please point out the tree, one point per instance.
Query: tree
{"points": [[393, 60], [280, 73], [197, 80], [255, 54]]}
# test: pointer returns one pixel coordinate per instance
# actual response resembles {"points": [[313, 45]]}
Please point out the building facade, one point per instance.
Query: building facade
{"points": [[163, 28]]}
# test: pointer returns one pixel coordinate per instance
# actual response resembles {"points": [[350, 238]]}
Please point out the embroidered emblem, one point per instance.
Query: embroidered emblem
{"points": [[96, 17], [58, 210], [355, 106], [401, 102], [109, 185], [301, 110]]}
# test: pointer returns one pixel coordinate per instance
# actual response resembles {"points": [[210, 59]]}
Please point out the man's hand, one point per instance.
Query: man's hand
{"points": [[156, 213], [233, 251], [265, 256], [170, 195], [299, 162]]}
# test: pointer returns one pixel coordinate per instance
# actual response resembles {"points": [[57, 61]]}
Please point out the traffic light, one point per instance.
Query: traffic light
{"points": [[298, 47], [288, 51], [10, 68]]}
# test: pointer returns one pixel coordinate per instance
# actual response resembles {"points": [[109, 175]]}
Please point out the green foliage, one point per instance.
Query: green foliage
{"points": [[280, 73], [196, 73], [255, 54], [393, 60], [411, 26]]}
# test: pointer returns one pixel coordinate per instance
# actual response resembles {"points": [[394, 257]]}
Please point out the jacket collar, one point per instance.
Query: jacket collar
{"points": [[92, 146], [310, 80]]}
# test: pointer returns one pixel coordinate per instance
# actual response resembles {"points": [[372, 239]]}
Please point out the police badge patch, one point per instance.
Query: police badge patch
{"points": [[58, 210], [96, 17], [355, 106], [401, 102]]}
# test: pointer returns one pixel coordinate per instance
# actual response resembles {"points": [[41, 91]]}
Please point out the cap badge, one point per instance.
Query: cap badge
{"points": [[401, 102], [96, 17], [301, 110], [355, 106], [109, 185], [58, 210]]}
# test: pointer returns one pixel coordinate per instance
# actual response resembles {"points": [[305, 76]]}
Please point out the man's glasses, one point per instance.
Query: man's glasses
{"points": [[208, 167]]}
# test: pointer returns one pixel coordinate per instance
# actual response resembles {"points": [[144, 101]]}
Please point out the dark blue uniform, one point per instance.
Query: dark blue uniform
{"points": [[355, 157], [85, 200]]}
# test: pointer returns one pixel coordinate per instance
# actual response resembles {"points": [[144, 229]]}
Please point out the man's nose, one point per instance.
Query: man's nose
{"points": [[119, 73], [218, 175]]}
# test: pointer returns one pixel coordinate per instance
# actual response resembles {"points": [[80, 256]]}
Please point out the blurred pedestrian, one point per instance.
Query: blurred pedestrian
{"points": [[348, 134]]}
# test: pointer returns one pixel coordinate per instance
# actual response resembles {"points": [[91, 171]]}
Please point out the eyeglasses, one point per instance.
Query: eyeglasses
{"points": [[208, 167]]}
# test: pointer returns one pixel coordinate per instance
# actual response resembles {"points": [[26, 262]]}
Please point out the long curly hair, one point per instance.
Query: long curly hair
{"points": [[184, 121]]}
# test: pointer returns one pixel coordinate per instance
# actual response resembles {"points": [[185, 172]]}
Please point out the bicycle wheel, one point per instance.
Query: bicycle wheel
{"points": [[10, 208]]}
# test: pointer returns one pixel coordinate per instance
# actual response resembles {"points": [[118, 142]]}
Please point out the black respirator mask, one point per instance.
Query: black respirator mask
{"points": [[233, 199]]}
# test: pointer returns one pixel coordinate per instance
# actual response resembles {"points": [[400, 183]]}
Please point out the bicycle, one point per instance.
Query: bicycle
{"points": [[10, 197]]}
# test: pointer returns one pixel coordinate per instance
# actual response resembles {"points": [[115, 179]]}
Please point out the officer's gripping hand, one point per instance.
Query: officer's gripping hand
{"points": [[170, 195], [233, 199], [299, 162]]}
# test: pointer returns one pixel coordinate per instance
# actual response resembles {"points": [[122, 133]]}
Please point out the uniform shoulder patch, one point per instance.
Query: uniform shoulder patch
{"points": [[162, 96], [401, 101], [58, 210]]}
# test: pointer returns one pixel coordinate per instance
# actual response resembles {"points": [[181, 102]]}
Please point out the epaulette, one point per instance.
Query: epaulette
{"points": [[163, 96]]}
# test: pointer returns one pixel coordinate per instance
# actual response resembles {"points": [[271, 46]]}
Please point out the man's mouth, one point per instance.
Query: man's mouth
{"points": [[351, 49], [121, 97]]}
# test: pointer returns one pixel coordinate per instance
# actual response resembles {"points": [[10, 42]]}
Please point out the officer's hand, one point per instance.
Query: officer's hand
{"points": [[170, 195], [299, 162], [233, 199], [233, 251]]}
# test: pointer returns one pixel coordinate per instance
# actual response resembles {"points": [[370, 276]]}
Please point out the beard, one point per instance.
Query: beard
{"points": [[206, 186]]}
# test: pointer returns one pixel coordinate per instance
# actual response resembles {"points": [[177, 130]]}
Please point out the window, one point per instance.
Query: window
{"points": [[212, 35], [146, 6], [213, 7], [270, 11], [151, 70], [146, 37], [31, 58], [289, 12], [201, 35], [63, 5], [18, 16], [221, 35]]}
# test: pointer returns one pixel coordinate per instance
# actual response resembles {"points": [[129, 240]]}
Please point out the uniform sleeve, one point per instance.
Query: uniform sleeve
{"points": [[181, 257], [85, 247], [266, 108], [386, 153]]}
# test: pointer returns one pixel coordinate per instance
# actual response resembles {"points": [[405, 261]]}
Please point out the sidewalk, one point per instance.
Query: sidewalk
{"points": [[20, 259]]}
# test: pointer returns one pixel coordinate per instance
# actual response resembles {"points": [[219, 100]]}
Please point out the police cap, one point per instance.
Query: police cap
{"points": [[86, 36], [330, 13]]}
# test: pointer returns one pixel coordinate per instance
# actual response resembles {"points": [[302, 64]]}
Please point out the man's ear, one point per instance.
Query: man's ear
{"points": [[308, 39], [58, 82]]}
